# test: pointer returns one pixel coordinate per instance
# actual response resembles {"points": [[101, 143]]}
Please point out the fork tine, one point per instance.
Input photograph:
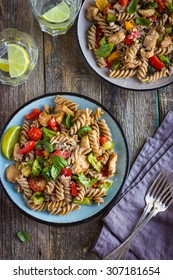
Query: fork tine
{"points": [[158, 182]]}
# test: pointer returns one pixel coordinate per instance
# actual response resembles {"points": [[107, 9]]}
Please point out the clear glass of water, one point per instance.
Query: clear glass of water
{"points": [[58, 26], [24, 56]]}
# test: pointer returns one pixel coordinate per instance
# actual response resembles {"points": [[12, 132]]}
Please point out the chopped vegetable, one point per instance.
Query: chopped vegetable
{"points": [[35, 133], [114, 55], [83, 130], [63, 154], [33, 115], [85, 201], [36, 168], [37, 184], [101, 4], [87, 183], [129, 24], [68, 121], [55, 171], [59, 161], [149, 4], [94, 162], [143, 21], [102, 41], [110, 17], [103, 139], [108, 145], [46, 145], [116, 65], [156, 63], [47, 133], [23, 236], [66, 172], [165, 60], [52, 123], [161, 5], [37, 198], [73, 187], [46, 172], [132, 7], [28, 148], [105, 50], [123, 3], [129, 40]]}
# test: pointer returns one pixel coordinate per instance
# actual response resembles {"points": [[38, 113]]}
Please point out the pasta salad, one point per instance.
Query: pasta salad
{"points": [[132, 38], [64, 158]]}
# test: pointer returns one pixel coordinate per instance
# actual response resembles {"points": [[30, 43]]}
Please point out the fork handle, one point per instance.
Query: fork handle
{"points": [[118, 253]]}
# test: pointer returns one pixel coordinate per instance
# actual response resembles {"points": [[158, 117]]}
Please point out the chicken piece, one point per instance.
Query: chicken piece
{"points": [[166, 42], [117, 38], [149, 43], [16, 155], [81, 165], [11, 173], [47, 108], [147, 12], [151, 39], [85, 143], [44, 118], [91, 12], [59, 117], [112, 164], [65, 109], [77, 114]]}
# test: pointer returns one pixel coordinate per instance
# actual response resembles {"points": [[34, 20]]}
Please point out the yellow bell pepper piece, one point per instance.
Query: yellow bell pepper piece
{"points": [[101, 4], [129, 24], [114, 55]]}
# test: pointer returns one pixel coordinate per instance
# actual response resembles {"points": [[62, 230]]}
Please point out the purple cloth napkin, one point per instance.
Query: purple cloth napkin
{"points": [[155, 240]]}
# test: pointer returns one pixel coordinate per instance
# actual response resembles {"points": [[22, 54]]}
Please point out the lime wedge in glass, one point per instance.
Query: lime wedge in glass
{"points": [[18, 59], [4, 65], [59, 13], [9, 139]]}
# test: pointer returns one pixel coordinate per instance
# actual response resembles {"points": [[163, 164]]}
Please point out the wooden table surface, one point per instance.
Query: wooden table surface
{"points": [[61, 67]]}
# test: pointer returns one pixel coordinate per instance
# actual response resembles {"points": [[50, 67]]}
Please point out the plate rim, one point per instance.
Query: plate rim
{"points": [[103, 77], [112, 202]]}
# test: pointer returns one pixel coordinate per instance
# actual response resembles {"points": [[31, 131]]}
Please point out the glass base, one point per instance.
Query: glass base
{"points": [[55, 31]]}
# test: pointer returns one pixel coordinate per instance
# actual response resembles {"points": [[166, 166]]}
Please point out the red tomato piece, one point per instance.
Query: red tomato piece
{"points": [[156, 63], [104, 171], [66, 172], [73, 188], [103, 139], [63, 154], [28, 148], [129, 40], [161, 5], [39, 153], [52, 123], [35, 133], [123, 3], [33, 115], [37, 185]]}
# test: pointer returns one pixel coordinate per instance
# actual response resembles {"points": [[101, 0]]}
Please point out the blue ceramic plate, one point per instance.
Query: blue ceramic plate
{"points": [[130, 83], [85, 212]]}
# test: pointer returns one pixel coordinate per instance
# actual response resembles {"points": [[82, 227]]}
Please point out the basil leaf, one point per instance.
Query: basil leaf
{"points": [[84, 129], [23, 236], [104, 50], [143, 21], [47, 173], [132, 7], [148, 5], [46, 144], [68, 121], [59, 161], [55, 171], [47, 133], [86, 183]]}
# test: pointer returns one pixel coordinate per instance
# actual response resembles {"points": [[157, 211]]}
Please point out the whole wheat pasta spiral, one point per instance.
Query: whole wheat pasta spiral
{"points": [[125, 73], [103, 25], [92, 37], [105, 130], [156, 76], [24, 133], [81, 121]]}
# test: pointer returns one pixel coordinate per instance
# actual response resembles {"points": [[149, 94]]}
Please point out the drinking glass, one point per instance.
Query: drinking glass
{"points": [[26, 44], [40, 7]]}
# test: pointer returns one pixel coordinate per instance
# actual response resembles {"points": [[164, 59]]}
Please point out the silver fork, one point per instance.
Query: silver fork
{"points": [[158, 199]]}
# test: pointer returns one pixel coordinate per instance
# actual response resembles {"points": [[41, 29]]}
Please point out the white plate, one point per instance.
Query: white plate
{"points": [[130, 83]]}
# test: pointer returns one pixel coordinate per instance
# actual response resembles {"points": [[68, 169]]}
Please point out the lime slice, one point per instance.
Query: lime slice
{"points": [[18, 60], [4, 65], [59, 13], [9, 139]]}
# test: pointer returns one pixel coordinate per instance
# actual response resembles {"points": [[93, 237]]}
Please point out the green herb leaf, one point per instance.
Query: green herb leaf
{"points": [[102, 41], [46, 172], [46, 144], [55, 171], [59, 161], [47, 133], [83, 130], [165, 60], [68, 121], [148, 5], [132, 7], [86, 183], [36, 168], [85, 201], [143, 21], [23, 236], [104, 50]]}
